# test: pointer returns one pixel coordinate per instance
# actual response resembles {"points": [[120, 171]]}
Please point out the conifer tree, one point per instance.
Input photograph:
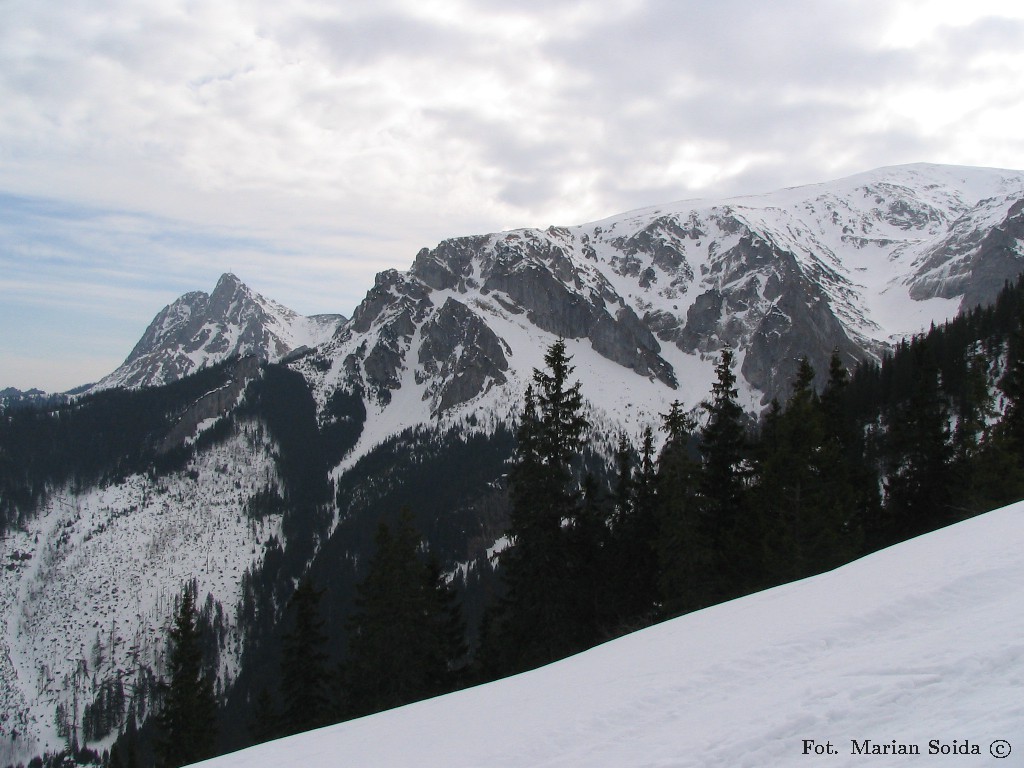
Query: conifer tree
{"points": [[615, 569], [996, 475], [406, 637], [187, 717], [919, 455], [264, 724], [644, 490], [446, 652], [632, 574], [974, 409], [543, 616], [789, 493], [305, 678], [723, 479], [685, 552], [624, 493], [562, 425], [1012, 385], [806, 502], [847, 472], [1000, 469]]}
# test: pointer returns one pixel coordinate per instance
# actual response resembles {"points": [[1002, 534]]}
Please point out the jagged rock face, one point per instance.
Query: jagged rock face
{"points": [[776, 277], [212, 405], [404, 324], [977, 258], [460, 355], [201, 329], [850, 265], [394, 308], [534, 273]]}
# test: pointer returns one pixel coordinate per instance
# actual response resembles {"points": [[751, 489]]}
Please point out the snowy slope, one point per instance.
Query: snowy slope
{"points": [[99, 570], [923, 641]]}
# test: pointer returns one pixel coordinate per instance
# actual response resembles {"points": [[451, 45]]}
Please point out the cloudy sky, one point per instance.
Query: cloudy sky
{"points": [[147, 146]]}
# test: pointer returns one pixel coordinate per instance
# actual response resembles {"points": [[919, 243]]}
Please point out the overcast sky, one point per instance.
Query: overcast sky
{"points": [[147, 146]]}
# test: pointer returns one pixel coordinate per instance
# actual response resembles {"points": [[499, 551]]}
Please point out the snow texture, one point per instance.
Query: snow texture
{"points": [[918, 643], [101, 569]]}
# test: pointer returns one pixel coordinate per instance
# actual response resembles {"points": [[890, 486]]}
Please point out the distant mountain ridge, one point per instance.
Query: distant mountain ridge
{"points": [[646, 299], [11, 397], [200, 329]]}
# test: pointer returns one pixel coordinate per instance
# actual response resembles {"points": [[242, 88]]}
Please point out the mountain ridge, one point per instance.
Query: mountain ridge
{"points": [[199, 329], [852, 265]]}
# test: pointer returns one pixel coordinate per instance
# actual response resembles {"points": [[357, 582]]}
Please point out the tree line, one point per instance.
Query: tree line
{"points": [[730, 505]]}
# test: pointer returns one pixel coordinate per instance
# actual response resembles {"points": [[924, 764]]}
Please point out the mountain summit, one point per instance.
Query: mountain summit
{"points": [[647, 299], [199, 329]]}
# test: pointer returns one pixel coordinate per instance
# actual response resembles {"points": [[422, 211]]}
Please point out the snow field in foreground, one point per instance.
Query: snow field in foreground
{"points": [[919, 642]]}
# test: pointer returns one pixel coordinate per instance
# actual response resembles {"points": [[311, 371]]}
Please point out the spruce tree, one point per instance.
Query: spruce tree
{"points": [[787, 483], [544, 615], [974, 409], [406, 637], [806, 503], [632, 571], [624, 492], [685, 552], [918, 481], [999, 470], [1011, 426], [265, 721], [305, 677], [562, 425], [724, 474], [187, 716], [848, 474]]}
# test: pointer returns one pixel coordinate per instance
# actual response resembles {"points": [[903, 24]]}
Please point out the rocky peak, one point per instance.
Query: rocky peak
{"points": [[199, 329], [532, 274], [798, 272]]}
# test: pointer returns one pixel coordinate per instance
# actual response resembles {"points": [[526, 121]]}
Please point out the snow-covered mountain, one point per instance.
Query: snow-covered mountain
{"points": [[15, 398], [915, 647], [645, 301], [88, 581], [200, 329]]}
